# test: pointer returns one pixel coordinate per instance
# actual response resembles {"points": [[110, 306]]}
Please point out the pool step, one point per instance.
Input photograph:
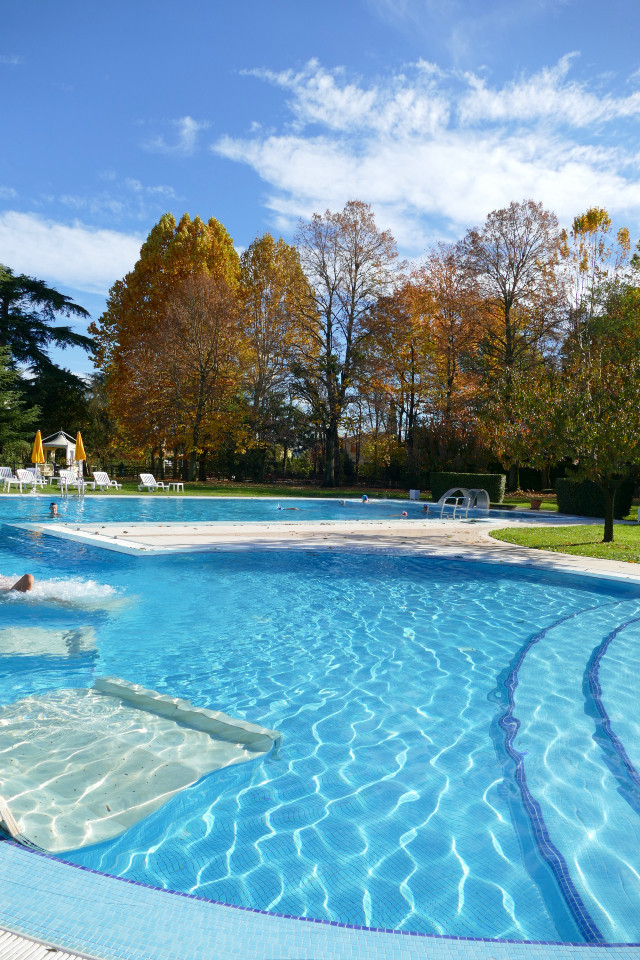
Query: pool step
{"points": [[81, 766], [568, 771]]}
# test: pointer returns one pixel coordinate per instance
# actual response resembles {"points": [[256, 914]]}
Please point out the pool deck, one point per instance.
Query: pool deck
{"points": [[93, 915], [462, 539]]}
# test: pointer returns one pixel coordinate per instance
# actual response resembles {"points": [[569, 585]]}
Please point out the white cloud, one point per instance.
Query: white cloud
{"points": [[11, 60], [186, 140], [8, 193], [434, 150], [545, 95], [76, 256]]}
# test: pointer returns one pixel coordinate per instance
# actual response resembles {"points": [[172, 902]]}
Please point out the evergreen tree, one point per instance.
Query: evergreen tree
{"points": [[28, 309], [17, 422]]}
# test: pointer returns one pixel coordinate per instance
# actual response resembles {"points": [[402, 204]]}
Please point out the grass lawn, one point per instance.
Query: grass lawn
{"points": [[583, 541]]}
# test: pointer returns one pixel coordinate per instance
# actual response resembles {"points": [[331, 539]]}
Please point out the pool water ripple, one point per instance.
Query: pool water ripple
{"points": [[387, 804]]}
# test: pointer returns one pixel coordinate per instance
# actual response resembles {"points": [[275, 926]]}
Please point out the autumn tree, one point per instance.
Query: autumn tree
{"points": [[348, 262], [514, 259], [198, 351], [274, 294], [590, 259], [129, 346]]}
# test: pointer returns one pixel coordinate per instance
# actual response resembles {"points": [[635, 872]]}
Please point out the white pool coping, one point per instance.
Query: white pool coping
{"points": [[173, 926], [462, 539]]}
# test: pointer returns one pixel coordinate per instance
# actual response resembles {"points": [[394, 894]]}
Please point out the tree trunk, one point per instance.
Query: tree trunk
{"points": [[545, 477], [513, 480], [193, 458], [609, 502], [329, 462], [202, 474]]}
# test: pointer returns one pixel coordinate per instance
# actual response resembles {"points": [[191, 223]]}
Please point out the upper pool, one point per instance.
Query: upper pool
{"points": [[160, 508]]}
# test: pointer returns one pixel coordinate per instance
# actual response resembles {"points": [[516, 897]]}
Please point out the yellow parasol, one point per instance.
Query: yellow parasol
{"points": [[80, 454], [37, 453], [37, 456]]}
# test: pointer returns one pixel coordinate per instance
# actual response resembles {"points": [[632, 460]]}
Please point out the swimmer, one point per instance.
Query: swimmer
{"points": [[23, 585], [365, 498], [425, 509], [53, 509]]}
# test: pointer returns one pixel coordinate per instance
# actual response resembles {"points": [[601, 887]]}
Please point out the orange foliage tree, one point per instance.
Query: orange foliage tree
{"points": [[128, 342]]}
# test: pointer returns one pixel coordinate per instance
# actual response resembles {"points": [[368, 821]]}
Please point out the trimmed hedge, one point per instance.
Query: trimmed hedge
{"points": [[493, 483], [584, 498]]}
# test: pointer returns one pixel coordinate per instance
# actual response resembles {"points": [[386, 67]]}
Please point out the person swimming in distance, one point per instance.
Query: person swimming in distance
{"points": [[53, 509], [23, 585], [425, 509], [365, 498]]}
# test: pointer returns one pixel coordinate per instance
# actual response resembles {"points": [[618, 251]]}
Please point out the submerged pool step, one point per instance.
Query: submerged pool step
{"points": [[569, 774], [81, 766]]}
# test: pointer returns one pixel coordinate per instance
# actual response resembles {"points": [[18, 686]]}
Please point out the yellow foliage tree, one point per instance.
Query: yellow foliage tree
{"points": [[128, 348]]}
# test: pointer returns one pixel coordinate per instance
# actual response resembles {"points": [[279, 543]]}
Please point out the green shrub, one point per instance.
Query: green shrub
{"points": [[584, 498], [493, 483]]}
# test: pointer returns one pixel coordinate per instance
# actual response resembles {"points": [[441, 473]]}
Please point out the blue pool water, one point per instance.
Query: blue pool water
{"points": [[160, 508], [403, 795]]}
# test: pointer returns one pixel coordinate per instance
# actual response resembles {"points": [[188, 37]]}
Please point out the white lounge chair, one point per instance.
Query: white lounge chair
{"points": [[101, 479], [70, 478], [7, 478], [30, 476], [149, 482]]}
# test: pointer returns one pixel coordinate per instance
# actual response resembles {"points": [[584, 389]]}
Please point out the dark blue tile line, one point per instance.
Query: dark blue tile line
{"points": [[615, 755], [510, 725], [326, 923], [548, 851]]}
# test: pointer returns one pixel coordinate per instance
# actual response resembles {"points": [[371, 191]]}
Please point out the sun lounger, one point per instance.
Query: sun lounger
{"points": [[7, 478], [30, 476], [149, 482], [101, 479]]}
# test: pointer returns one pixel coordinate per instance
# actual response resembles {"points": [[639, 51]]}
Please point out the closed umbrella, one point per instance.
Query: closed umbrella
{"points": [[37, 456], [80, 455]]}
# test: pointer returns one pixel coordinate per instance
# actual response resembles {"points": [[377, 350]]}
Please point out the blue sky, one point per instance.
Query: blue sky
{"points": [[262, 112]]}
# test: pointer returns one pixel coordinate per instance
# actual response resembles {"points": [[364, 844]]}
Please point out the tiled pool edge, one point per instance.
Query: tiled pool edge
{"points": [[175, 926], [220, 932]]}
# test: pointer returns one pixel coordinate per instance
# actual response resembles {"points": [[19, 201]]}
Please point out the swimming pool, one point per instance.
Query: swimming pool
{"points": [[159, 508], [404, 796]]}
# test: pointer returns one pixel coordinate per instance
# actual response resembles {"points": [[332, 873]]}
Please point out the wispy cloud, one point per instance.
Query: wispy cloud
{"points": [[8, 193], [184, 140], [125, 198], [437, 150], [75, 255], [11, 59]]}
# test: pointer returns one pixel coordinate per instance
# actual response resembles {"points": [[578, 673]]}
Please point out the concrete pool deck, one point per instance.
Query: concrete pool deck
{"points": [[462, 539], [97, 916]]}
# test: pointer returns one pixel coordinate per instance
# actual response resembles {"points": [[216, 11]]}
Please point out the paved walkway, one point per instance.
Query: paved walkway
{"points": [[14, 947], [466, 539]]}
